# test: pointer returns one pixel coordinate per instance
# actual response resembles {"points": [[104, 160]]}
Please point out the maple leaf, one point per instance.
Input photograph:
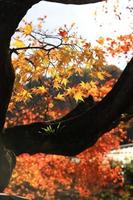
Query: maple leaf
{"points": [[70, 91], [78, 96], [56, 85], [87, 45], [100, 40], [40, 53], [64, 81], [27, 29], [39, 90], [18, 43], [60, 97], [24, 95], [85, 85], [100, 76], [63, 33], [78, 70], [93, 84], [42, 89]]}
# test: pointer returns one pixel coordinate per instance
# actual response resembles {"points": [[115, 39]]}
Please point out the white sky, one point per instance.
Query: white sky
{"points": [[90, 26]]}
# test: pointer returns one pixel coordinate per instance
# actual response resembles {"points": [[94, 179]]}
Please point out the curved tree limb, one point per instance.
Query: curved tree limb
{"points": [[76, 2], [77, 131]]}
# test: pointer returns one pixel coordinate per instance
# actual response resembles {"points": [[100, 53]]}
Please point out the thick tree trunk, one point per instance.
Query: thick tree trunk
{"points": [[11, 12]]}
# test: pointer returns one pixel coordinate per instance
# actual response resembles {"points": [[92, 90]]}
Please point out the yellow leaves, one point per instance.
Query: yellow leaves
{"points": [[60, 97], [58, 81], [100, 76], [27, 29], [42, 89], [85, 86], [63, 68], [93, 84], [70, 91], [64, 81], [75, 93], [100, 40], [26, 95], [23, 95], [18, 43], [46, 60], [52, 72], [39, 90], [40, 53], [11, 106], [78, 96], [83, 90], [56, 85], [78, 70]]}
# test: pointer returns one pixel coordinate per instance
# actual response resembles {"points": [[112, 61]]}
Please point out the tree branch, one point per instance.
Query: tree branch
{"points": [[76, 2], [78, 130]]}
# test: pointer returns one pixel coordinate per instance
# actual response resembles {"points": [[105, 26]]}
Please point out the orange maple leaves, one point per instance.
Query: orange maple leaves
{"points": [[122, 44]]}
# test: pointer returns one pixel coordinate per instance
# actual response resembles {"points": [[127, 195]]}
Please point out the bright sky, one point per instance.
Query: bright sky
{"points": [[92, 20]]}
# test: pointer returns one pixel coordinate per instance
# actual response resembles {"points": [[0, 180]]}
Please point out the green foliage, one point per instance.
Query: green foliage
{"points": [[48, 130]]}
